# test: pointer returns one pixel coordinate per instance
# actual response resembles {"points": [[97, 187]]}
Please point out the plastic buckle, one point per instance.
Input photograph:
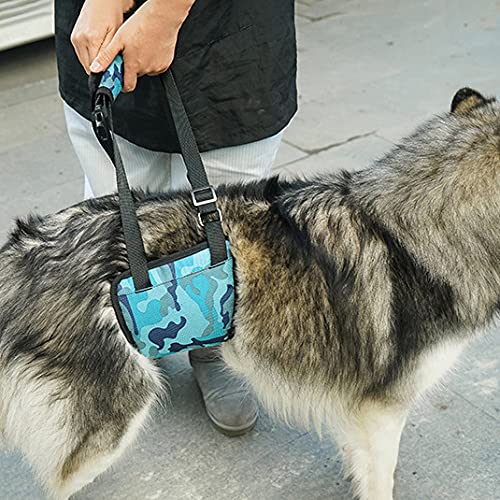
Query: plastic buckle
{"points": [[216, 211], [200, 203]]}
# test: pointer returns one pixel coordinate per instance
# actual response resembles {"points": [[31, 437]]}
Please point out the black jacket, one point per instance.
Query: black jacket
{"points": [[235, 67]]}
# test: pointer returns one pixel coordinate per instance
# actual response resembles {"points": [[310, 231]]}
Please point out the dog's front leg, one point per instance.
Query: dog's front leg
{"points": [[370, 442]]}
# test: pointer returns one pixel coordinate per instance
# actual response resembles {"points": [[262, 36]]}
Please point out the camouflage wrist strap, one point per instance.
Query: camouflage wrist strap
{"points": [[104, 89]]}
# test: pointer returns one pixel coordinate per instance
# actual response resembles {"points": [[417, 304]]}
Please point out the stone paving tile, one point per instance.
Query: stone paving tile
{"points": [[27, 92], [26, 65], [476, 378], [444, 457], [398, 65], [28, 73], [315, 10], [287, 154], [28, 120], [352, 155], [40, 177], [39, 165]]}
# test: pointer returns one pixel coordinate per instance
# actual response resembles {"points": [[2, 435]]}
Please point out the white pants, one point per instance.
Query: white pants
{"points": [[163, 171]]}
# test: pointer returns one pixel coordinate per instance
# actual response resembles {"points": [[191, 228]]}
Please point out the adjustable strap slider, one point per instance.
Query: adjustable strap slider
{"points": [[210, 216], [205, 200], [199, 196]]}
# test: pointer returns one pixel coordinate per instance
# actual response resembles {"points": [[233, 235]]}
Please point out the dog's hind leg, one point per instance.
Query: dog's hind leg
{"points": [[94, 454], [370, 443], [104, 432], [72, 432]]}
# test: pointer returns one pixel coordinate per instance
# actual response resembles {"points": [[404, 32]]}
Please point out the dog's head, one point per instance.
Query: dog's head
{"points": [[471, 160], [451, 164], [444, 179], [472, 132]]}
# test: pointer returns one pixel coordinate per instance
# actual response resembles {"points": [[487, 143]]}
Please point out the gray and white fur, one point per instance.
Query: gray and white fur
{"points": [[356, 292]]}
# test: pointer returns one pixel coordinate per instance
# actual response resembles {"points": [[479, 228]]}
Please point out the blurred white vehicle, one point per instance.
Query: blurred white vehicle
{"points": [[24, 21]]}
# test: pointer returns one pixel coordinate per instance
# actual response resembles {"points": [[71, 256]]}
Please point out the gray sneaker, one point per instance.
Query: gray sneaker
{"points": [[230, 407]]}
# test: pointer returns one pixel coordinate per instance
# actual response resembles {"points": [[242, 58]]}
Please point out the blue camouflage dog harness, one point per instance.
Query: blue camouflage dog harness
{"points": [[182, 301]]}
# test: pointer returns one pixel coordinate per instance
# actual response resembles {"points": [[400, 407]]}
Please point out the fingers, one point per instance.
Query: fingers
{"points": [[134, 65], [87, 46], [132, 71], [157, 71], [106, 55], [79, 41], [101, 58], [93, 50], [160, 67], [129, 73]]}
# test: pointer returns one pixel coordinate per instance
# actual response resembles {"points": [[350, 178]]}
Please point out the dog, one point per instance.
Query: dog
{"points": [[356, 292]]}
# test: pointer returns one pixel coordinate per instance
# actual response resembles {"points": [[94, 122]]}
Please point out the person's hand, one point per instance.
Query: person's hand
{"points": [[96, 26], [146, 40]]}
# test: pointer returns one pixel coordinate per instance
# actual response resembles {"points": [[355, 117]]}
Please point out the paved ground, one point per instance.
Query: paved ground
{"points": [[369, 72]]}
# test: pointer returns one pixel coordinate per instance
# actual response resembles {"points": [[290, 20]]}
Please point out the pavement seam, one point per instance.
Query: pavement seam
{"points": [[282, 165], [315, 19], [381, 137], [316, 151]]}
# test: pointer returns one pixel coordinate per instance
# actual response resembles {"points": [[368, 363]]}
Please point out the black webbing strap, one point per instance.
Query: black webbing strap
{"points": [[102, 120], [203, 194]]}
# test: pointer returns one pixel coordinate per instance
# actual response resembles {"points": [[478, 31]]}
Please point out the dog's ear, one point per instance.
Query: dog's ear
{"points": [[465, 100]]}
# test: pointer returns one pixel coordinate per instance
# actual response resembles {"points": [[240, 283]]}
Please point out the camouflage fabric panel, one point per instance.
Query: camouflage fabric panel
{"points": [[112, 78], [190, 305]]}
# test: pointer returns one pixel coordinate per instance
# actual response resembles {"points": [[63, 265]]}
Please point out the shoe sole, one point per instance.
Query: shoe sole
{"points": [[232, 431]]}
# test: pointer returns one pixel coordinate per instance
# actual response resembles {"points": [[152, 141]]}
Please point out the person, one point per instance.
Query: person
{"points": [[235, 65]]}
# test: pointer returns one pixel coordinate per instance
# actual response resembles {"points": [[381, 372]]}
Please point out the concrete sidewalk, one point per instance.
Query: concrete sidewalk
{"points": [[370, 71]]}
